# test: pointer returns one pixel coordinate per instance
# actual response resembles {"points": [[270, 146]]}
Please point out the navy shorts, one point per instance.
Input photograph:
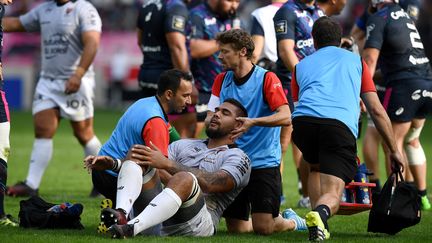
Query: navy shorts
{"points": [[286, 85], [408, 99]]}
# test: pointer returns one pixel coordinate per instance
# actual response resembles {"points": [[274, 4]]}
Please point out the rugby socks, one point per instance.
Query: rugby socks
{"points": [[39, 160], [161, 208], [422, 192], [129, 184], [3, 178], [324, 212], [92, 147]]}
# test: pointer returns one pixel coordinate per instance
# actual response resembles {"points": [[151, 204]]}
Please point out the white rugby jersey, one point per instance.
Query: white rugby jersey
{"points": [[61, 28], [264, 17], [195, 154]]}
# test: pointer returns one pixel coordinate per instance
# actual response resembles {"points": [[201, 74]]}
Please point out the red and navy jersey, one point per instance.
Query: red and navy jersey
{"points": [[206, 24], [294, 20], [402, 55], [155, 19]]}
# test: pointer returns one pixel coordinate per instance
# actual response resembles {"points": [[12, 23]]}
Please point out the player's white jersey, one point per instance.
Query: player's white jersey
{"points": [[61, 28], [195, 154], [264, 16]]}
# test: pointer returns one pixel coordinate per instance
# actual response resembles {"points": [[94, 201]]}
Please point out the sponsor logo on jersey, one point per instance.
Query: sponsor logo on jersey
{"points": [[416, 61], [148, 17], [300, 14], [281, 27], [399, 14], [178, 22], [158, 4], [416, 95], [369, 29], [210, 21], [426, 94], [304, 43]]}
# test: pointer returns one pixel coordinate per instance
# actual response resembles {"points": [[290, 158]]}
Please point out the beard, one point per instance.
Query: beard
{"points": [[215, 133], [222, 13]]}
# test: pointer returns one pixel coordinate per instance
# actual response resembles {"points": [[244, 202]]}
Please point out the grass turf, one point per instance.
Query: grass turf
{"points": [[66, 180]]}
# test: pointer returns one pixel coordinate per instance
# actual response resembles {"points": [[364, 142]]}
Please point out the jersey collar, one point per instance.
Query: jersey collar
{"points": [[165, 115]]}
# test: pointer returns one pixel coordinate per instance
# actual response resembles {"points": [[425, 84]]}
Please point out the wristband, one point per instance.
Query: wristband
{"points": [[116, 165]]}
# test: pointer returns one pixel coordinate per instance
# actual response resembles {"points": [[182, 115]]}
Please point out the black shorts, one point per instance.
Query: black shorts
{"points": [[148, 79], [105, 184], [327, 142], [286, 85], [408, 99], [261, 195]]}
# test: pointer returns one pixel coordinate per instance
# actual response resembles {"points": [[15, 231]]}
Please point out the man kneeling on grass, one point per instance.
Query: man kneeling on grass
{"points": [[201, 178]]}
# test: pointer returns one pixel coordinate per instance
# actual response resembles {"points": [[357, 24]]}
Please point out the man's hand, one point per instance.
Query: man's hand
{"points": [[98, 163], [148, 156], [5, 2], [396, 162], [247, 123], [73, 84]]}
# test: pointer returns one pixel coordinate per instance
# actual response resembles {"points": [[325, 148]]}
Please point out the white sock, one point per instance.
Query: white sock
{"points": [[39, 160], [92, 147], [129, 184], [161, 208], [4, 140]]}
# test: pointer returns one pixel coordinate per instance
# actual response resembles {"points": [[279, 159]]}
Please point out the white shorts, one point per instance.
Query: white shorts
{"points": [[75, 107], [200, 225]]}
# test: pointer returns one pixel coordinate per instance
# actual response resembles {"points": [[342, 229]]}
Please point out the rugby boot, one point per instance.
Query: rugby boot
{"points": [[121, 231], [21, 189], [317, 231]]}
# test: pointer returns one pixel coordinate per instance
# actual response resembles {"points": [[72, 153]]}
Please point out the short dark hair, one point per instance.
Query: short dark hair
{"points": [[170, 80], [243, 112], [326, 32], [238, 39]]}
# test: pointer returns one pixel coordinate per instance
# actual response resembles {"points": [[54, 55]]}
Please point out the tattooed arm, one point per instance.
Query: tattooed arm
{"points": [[210, 182]]}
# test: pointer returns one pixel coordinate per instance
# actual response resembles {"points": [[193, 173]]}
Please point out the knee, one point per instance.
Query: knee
{"points": [[263, 228], [414, 150], [84, 135]]}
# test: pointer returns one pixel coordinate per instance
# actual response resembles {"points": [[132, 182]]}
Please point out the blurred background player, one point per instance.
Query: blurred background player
{"points": [[205, 21], [408, 79], [70, 33], [161, 37], [4, 133], [372, 139]]}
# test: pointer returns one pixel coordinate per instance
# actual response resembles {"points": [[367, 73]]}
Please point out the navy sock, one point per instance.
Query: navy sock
{"points": [[3, 178], [422, 192], [324, 212]]}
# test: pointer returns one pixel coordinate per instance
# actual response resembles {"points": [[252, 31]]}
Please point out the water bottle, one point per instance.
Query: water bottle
{"points": [[347, 196], [362, 192], [57, 208]]}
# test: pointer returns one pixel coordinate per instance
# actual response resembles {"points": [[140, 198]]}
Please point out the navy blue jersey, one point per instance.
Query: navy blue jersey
{"points": [[294, 20], [155, 19], [205, 24], [412, 7], [394, 33]]}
